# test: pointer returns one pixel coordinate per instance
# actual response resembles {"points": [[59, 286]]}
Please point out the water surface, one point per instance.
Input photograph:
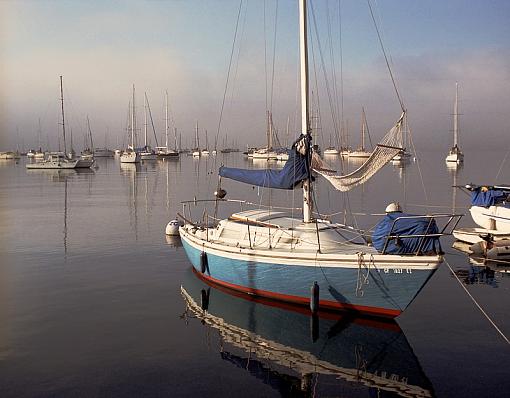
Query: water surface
{"points": [[91, 303]]}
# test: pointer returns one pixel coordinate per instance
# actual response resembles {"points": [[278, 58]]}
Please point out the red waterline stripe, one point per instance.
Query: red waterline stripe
{"points": [[304, 302]]}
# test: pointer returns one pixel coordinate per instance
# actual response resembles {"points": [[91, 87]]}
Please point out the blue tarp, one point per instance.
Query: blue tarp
{"points": [[406, 226], [488, 198], [294, 171]]}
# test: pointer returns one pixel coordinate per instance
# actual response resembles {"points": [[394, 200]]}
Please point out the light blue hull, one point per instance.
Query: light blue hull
{"points": [[385, 292]]}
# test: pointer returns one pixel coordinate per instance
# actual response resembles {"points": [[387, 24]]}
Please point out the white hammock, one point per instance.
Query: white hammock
{"points": [[386, 149]]}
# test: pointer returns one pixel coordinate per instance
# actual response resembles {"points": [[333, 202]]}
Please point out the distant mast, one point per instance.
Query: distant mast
{"points": [[303, 50], [456, 116], [145, 119], [166, 119], [133, 126], [63, 121]]}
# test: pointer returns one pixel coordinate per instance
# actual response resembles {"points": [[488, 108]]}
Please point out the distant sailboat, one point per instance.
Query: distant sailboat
{"points": [[103, 152], [196, 151], [205, 151], [361, 152], [59, 160], [147, 153], [455, 154], [165, 151], [130, 155]]}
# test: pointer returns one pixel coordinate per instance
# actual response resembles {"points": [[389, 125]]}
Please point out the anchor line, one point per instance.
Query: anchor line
{"points": [[478, 305]]}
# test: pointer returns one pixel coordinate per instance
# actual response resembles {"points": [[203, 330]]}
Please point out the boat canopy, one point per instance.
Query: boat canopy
{"points": [[296, 169], [395, 224], [488, 197]]}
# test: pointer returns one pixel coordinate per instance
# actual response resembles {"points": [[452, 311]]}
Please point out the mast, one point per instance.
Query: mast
{"points": [[63, 121], [456, 116], [303, 50], [90, 136], [145, 119], [39, 134], [133, 126], [362, 128], [166, 119], [175, 138], [196, 136]]}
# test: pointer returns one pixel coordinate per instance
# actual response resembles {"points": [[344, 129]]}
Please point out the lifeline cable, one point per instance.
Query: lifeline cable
{"points": [[478, 305]]}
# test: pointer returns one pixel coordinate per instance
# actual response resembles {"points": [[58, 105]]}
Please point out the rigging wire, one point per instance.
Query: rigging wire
{"points": [[477, 305], [229, 67], [274, 57], [341, 64], [386, 57], [501, 167]]}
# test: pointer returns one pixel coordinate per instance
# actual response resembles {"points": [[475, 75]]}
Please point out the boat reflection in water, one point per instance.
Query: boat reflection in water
{"points": [[484, 268], [301, 355]]}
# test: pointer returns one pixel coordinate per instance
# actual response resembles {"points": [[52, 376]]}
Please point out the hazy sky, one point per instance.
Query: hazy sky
{"points": [[102, 48]]}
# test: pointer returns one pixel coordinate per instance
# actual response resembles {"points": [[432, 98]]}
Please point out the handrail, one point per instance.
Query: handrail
{"points": [[185, 202], [452, 218]]}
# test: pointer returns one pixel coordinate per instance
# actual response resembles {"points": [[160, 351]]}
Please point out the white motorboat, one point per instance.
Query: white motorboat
{"points": [[10, 155], [331, 151], [490, 210]]}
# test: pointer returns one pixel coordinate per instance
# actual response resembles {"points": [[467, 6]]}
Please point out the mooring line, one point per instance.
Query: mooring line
{"points": [[476, 303]]}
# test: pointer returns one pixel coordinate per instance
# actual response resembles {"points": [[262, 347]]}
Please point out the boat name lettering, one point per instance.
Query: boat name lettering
{"points": [[397, 270]]}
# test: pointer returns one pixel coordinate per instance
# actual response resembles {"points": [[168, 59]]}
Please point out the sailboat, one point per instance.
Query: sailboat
{"points": [[361, 152], [59, 160], [103, 152], [307, 261], [88, 152], [165, 151], [196, 151], [455, 154], [205, 151], [130, 155], [147, 153]]}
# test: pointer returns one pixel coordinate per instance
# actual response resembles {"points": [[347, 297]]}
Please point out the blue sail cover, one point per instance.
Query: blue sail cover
{"points": [[406, 226], [487, 198], [294, 171]]}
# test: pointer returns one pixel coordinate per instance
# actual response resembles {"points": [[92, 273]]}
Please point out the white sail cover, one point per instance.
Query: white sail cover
{"points": [[386, 149]]}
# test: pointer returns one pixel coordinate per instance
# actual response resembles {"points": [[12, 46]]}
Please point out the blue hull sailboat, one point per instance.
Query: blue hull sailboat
{"points": [[308, 261]]}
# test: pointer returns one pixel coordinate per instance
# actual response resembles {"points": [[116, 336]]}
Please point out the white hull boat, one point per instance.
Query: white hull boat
{"points": [[455, 155], [58, 160], [331, 151], [490, 210], [130, 156]]}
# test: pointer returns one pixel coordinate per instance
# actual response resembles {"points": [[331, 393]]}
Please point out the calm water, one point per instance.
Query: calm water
{"points": [[91, 303]]}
